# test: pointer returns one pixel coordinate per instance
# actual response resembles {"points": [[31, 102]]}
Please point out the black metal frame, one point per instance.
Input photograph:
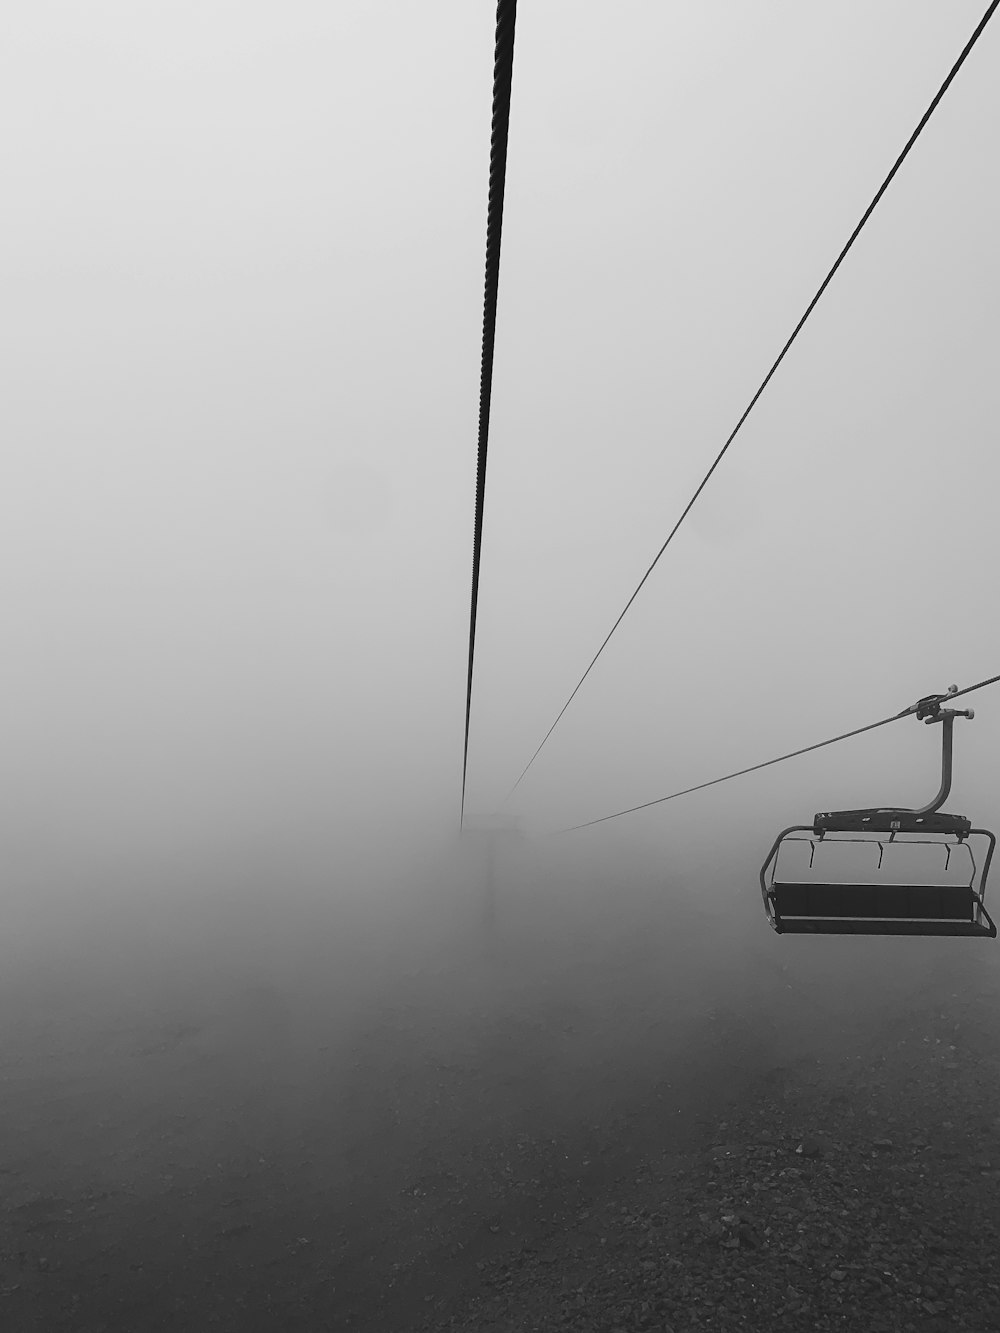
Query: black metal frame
{"points": [[854, 908], [979, 921]]}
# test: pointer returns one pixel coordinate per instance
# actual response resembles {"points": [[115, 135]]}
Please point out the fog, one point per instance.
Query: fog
{"points": [[242, 261]]}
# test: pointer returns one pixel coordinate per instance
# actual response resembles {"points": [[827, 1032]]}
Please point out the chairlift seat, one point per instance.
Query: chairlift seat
{"points": [[819, 907], [879, 909]]}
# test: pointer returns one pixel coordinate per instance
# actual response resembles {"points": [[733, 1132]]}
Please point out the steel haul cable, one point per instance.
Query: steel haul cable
{"points": [[767, 378], [503, 64], [792, 754]]}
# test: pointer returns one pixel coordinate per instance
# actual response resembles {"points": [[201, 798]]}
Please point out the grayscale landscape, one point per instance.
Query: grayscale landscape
{"points": [[297, 1034]]}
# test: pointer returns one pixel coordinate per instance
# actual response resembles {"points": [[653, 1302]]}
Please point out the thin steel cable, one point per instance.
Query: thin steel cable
{"points": [[792, 754], [503, 65], [991, 680], [767, 378]]}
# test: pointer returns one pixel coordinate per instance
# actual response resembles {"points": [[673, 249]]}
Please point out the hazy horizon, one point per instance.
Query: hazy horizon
{"points": [[243, 265]]}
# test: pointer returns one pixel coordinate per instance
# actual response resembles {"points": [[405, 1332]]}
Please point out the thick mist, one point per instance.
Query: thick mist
{"points": [[242, 261], [241, 329]]}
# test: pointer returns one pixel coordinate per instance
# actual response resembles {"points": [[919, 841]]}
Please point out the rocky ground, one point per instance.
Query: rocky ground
{"points": [[857, 1195]]}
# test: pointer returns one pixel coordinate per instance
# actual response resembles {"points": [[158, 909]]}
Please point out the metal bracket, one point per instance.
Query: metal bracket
{"points": [[929, 707]]}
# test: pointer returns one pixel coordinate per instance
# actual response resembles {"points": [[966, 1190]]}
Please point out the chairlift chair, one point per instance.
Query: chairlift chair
{"points": [[807, 905]]}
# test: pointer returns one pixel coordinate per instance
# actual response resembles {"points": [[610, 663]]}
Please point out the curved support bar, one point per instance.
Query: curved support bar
{"points": [[771, 857], [984, 832], [947, 742], [877, 815]]}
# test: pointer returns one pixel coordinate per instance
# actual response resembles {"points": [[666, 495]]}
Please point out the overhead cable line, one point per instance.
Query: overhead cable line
{"points": [[767, 378], [980, 685], [503, 64], [792, 754]]}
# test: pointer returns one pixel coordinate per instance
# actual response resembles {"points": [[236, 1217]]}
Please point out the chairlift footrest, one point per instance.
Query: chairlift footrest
{"points": [[835, 926]]}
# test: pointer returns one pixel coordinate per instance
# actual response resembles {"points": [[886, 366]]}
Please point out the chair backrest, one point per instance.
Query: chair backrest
{"points": [[912, 902]]}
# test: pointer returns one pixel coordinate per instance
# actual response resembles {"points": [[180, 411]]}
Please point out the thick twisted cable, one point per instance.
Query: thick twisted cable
{"points": [[770, 374], [503, 65]]}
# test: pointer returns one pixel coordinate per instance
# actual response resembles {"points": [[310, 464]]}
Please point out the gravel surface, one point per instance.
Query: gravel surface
{"points": [[861, 1195]]}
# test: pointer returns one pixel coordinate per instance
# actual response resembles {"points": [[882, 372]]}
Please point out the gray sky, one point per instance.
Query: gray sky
{"points": [[242, 261]]}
